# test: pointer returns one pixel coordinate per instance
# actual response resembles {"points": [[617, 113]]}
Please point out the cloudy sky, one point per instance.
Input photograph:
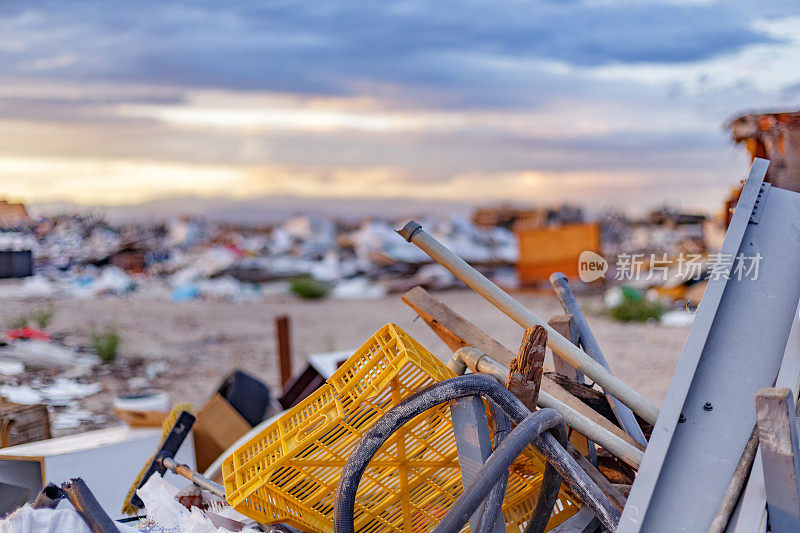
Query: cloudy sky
{"points": [[602, 102]]}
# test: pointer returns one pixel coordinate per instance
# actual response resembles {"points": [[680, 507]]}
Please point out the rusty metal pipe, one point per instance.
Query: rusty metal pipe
{"points": [[48, 498], [82, 499]]}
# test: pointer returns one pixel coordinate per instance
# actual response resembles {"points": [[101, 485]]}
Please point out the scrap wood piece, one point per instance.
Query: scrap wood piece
{"points": [[609, 489], [453, 328], [525, 370], [565, 325]]}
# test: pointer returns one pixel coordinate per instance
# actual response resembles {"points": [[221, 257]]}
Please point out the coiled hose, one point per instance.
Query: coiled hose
{"points": [[545, 429], [494, 502]]}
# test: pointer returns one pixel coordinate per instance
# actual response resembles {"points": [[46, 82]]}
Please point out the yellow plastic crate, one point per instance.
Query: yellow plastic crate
{"points": [[288, 473]]}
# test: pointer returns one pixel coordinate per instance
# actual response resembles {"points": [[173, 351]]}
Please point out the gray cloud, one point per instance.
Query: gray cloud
{"points": [[342, 47]]}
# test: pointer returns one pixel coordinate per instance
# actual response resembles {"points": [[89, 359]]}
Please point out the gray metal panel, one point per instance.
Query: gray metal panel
{"points": [[735, 348], [750, 514], [777, 431], [471, 430]]}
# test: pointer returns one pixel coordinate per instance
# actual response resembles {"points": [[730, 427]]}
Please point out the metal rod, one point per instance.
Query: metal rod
{"points": [[414, 233], [592, 348], [201, 481], [740, 475], [478, 361], [88, 507], [49, 497]]}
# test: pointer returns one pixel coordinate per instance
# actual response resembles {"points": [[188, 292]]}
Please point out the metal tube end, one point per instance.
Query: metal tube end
{"points": [[556, 276], [408, 231]]}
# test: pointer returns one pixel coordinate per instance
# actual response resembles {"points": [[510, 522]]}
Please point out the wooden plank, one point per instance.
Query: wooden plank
{"points": [[452, 328], [284, 348], [525, 370], [455, 326], [780, 452], [564, 324]]}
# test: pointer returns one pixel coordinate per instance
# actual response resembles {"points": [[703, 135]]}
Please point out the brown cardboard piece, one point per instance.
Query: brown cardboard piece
{"points": [[218, 426]]}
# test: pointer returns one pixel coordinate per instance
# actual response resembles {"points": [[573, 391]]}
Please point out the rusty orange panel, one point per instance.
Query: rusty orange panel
{"points": [[547, 250]]}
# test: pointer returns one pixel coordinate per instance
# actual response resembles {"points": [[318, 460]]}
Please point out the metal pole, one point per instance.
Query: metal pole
{"points": [[88, 507], [201, 481], [478, 361], [414, 233], [592, 348]]}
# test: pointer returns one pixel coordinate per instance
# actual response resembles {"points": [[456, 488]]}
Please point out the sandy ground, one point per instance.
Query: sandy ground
{"points": [[203, 341]]}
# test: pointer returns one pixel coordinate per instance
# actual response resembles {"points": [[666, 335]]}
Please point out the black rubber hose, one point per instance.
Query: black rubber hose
{"points": [[459, 387], [493, 505], [497, 464]]}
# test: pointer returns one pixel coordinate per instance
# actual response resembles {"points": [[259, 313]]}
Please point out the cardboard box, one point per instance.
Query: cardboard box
{"points": [[217, 427]]}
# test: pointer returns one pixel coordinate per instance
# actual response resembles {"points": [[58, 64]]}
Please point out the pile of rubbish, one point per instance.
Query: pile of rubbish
{"points": [[188, 258], [185, 259], [393, 438]]}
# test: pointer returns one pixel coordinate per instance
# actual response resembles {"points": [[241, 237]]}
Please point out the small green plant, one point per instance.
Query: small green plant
{"points": [[636, 308], [19, 322], [308, 287], [106, 344], [43, 316]]}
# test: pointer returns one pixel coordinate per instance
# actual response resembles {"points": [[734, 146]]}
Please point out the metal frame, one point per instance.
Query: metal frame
{"points": [[735, 348], [471, 430], [777, 432], [750, 515]]}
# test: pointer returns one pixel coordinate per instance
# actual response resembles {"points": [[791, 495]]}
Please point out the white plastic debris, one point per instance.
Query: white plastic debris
{"points": [[358, 289], [36, 286], [61, 392], [169, 515], [10, 367], [151, 400], [677, 319], [72, 418], [21, 394], [43, 354], [65, 390], [112, 280], [29, 520]]}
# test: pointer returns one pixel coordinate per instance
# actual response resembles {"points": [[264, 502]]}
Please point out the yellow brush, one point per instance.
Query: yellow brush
{"points": [[167, 430]]}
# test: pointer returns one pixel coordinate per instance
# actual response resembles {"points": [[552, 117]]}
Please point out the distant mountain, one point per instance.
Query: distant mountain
{"points": [[260, 210]]}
